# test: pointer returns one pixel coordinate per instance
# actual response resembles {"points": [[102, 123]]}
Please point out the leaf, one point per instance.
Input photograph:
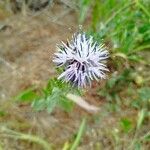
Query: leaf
{"points": [[147, 137], [53, 99], [2, 113], [39, 104], [66, 104], [53, 96], [27, 95], [126, 125], [48, 102]]}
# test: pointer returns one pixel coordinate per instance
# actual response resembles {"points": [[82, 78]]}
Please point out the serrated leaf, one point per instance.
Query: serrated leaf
{"points": [[53, 96], [39, 104], [53, 99]]}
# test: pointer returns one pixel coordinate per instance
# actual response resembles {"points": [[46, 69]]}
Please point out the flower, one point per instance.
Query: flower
{"points": [[82, 59]]}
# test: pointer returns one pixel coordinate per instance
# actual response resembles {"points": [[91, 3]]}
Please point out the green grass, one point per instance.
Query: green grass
{"points": [[124, 26]]}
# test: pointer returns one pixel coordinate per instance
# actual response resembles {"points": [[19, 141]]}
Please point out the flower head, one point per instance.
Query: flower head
{"points": [[82, 59]]}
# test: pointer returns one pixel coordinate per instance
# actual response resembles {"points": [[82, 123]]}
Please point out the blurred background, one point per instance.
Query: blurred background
{"points": [[29, 32]]}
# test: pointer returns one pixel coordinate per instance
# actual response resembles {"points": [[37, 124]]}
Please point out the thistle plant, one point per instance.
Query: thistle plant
{"points": [[82, 59]]}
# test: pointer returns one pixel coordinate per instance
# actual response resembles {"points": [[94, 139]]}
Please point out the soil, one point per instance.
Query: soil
{"points": [[26, 50]]}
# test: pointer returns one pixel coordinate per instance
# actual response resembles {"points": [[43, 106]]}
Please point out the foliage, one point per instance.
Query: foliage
{"points": [[53, 95], [122, 90], [126, 124], [125, 25], [125, 28]]}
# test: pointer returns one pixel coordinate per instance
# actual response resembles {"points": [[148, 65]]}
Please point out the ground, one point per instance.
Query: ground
{"points": [[28, 42]]}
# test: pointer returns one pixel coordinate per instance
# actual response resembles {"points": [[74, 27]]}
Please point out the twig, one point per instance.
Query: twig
{"points": [[82, 103], [7, 63]]}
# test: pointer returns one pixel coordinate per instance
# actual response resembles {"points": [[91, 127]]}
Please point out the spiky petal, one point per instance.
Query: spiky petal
{"points": [[82, 59]]}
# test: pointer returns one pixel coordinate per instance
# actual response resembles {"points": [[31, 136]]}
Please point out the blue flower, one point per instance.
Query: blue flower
{"points": [[83, 60]]}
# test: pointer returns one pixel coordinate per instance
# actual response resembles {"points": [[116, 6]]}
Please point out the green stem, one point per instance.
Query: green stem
{"points": [[22, 136], [1, 147], [66, 146], [79, 135]]}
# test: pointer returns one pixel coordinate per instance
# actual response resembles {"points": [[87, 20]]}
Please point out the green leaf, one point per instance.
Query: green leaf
{"points": [[27, 95], [66, 104], [2, 113], [126, 125], [53, 99], [147, 137], [39, 104], [52, 102], [53, 96]]}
